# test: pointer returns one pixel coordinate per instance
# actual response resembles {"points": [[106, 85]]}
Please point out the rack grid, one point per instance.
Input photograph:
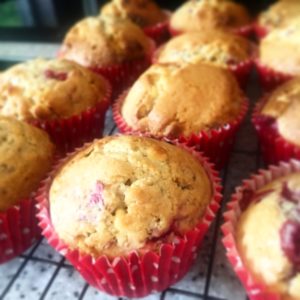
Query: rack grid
{"points": [[41, 273]]}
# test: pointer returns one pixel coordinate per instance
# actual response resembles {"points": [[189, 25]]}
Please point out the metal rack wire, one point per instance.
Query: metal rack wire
{"points": [[41, 273]]}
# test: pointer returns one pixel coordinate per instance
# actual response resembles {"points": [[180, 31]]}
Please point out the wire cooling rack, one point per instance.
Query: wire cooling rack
{"points": [[41, 273]]}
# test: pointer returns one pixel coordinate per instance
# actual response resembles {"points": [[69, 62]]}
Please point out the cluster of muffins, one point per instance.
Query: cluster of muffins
{"points": [[261, 230], [130, 211], [46, 108], [276, 116]]}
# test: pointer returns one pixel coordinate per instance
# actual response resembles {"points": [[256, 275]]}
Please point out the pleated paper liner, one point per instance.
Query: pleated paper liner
{"points": [[269, 78], [256, 290], [244, 31], [159, 32], [260, 31], [123, 75], [72, 132], [241, 71], [18, 229], [141, 272], [216, 144], [273, 146]]}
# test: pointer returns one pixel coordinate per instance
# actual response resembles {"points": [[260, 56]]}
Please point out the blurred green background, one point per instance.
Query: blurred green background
{"points": [[9, 15]]}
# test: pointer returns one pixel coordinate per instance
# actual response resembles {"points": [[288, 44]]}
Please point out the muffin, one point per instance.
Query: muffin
{"points": [[170, 100], [115, 48], [209, 14], [128, 196], [50, 91], [110, 41], [279, 50], [125, 200], [34, 152], [26, 155], [266, 252], [219, 48], [143, 13], [279, 59], [278, 15], [277, 121], [269, 248]]}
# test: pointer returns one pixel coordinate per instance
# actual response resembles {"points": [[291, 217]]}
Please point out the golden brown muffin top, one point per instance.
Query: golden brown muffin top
{"points": [[142, 12], [279, 50], [219, 48], [49, 89], [26, 155], [279, 14], [98, 42], [124, 193], [267, 236], [195, 15], [173, 100], [283, 105]]}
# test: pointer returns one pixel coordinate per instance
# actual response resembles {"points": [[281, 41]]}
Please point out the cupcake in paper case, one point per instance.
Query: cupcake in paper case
{"points": [[278, 15], [130, 212], [205, 15], [279, 58], [144, 13], [59, 96], [199, 104], [115, 48], [262, 230], [277, 122], [26, 156], [220, 48]]}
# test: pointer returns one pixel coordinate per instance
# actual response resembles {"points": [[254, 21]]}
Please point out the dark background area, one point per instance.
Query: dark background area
{"points": [[48, 20]]}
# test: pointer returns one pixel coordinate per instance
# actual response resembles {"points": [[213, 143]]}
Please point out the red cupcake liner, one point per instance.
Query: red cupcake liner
{"points": [[159, 32], [241, 71], [136, 274], [256, 290], [244, 31], [269, 78], [216, 144], [274, 147], [123, 75], [72, 132], [18, 229], [260, 31]]}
